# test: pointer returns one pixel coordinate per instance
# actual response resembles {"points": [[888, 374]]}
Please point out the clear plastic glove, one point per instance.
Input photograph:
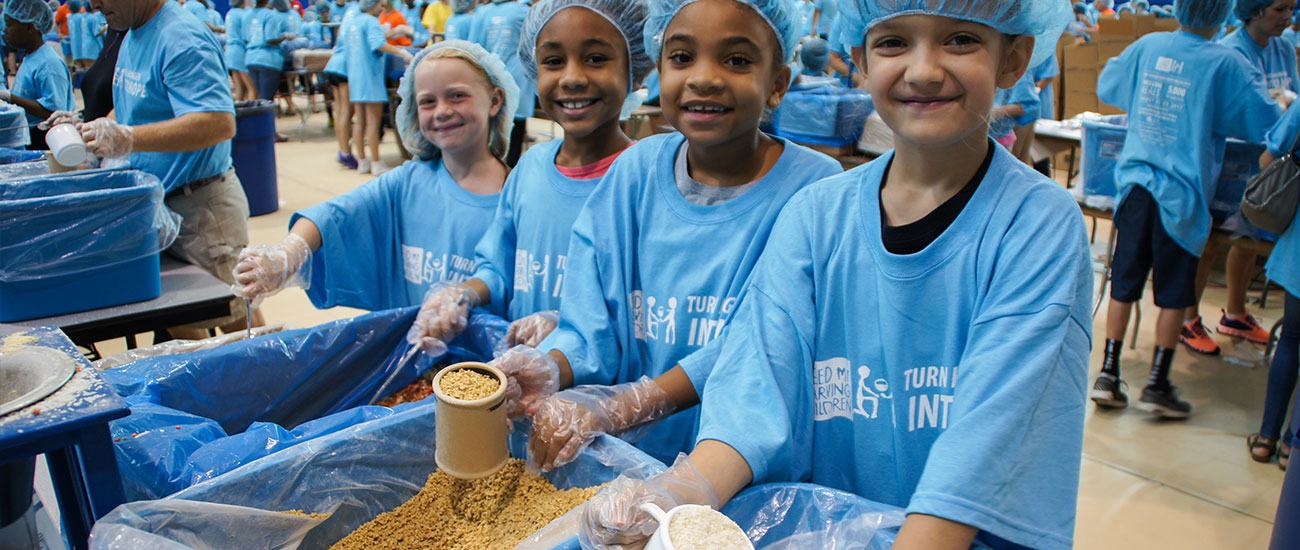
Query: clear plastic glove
{"points": [[532, 377], [265, 270], [531, 330], [5, 95], [614, 518], [108, 139], [568, 421], [60, 117], [443, 315]]}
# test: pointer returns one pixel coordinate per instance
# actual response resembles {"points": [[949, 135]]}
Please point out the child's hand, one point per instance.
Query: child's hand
{"points": [[532, 377], [443, 315], [570, 420], [614, 518], [265, 270], [531, 330]]}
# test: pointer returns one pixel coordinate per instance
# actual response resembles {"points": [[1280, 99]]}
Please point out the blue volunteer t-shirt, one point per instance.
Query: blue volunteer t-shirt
{"points": [[264, 25], [197, 9], [236, 25], [498, 28], [653, 278], [415, 20], [338, 65], [950, 381], [1185, 96], [385, 243], [458, 26], [1049, 68], [365, 63], [1022, 94], [1277, 61], [167, 68], [521, 258], [829, 12], [43, 78]]}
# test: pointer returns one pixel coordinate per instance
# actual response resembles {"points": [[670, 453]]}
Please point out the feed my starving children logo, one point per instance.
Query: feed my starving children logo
{"points": [[654, 318], [841, 391], [529, 268], [423, 267]]}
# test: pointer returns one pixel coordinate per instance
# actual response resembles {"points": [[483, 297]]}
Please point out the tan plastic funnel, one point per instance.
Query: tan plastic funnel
{"points": [[471, 435]]}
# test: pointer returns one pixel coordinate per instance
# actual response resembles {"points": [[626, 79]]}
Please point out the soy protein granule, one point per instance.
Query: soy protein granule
{"points": [[495, 512], [304, 514], [701, 528], [416, 391], [468, 384]]}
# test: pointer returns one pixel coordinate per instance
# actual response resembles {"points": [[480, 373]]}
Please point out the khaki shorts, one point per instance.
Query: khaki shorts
{"points": [[214, 229]]}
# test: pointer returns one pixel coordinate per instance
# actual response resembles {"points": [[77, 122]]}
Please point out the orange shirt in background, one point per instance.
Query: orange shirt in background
{"points": [[392, 20], [61, 19]]}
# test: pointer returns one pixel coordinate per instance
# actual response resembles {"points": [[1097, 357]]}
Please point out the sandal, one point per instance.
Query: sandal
{"points": [[1254, 443], [1283, 456]]}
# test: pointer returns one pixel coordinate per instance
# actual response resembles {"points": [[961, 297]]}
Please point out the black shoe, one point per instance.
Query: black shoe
{"points": [[1164, 402], [1106, 393]]}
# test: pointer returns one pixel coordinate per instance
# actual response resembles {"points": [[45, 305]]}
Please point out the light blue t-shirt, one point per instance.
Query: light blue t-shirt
{"points": [[652, 278], [365, 63], [43, 78], [167, 68], [84, 29], [521, 258], [75, 37], [236, 45], [1022, 94], [1283, 265], [264, 25], [197, 9], [292, 21], [1185, 95], [1277, 61], [414, 19], [1291, 37], [338, 63], [458, 26], [315, 32], [498, 28], [385, 243], [806, 12], [950, 381], [829, 12], [1049, 68]]}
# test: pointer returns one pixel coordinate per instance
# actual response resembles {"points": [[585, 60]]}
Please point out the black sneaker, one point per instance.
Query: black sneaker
{"points": [[1107, 393], [1164, 402]]}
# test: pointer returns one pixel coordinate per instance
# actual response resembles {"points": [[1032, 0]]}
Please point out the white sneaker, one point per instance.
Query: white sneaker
{"points": [[363, 166], [378, 168]]}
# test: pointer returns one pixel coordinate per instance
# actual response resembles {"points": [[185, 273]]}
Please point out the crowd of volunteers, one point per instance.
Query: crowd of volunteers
{"points": [[734, 303]]}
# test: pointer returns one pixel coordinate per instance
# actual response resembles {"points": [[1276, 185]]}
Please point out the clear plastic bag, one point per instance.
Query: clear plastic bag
{"points": [[174, 347], [795, 516], [14, 132]]}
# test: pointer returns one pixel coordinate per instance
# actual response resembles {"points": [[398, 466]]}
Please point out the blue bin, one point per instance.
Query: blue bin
{"points": [[1102, 142], [13, 127], [253, 153], [824, 116], [80, 241]]}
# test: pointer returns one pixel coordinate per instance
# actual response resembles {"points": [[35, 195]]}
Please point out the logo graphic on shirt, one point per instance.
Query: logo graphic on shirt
{"points": [[832, 389], [1163, 98], [1167, 65], [1279, 81], [928, 391], [129, 81], [654, 318], [866, 402], [422, 267], [529, 267], [932, 388]]}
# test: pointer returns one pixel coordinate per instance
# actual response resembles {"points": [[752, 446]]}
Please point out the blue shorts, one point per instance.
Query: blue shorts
{"points": [[1143, 246]]}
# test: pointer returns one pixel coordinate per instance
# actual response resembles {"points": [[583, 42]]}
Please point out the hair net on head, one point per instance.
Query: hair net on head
{"points": [[1103, 4], [461, 6], [815, 55], [1202, 14], [1247, 9], [319, 7], [1042, 19], [36, 12], [280, 5], [628, 16], [1080, 7], [1295, 17], [1140, 5], [781, 15], [407, 119], [367, 5], [76, 5]]}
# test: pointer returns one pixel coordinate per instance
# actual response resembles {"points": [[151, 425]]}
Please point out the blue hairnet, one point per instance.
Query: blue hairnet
{"points": [[320, 7], [1044, 20], [1295, 17], [628, 16], [815, 55], [1202, 14], [408, 119], [76, 5], [1247, 9], [461, 6], [367, 5], [781, 15], [1140, 4], [280, 5], [1080, 7], [36, 12]]}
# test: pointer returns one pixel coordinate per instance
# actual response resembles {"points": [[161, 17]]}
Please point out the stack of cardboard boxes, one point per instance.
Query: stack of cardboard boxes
{"points": [[1082, 60]]}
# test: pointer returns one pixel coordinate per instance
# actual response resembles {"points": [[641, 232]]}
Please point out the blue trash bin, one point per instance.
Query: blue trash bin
{"points": [[253, 153]]}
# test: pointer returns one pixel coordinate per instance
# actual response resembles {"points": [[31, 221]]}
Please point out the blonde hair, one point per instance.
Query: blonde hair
{"points": [[498, 136]]}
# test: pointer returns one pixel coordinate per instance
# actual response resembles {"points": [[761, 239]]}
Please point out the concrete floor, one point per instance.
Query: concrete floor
{"points": [[1145, 483]]}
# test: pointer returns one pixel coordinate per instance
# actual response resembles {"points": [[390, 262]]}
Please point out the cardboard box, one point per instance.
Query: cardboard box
{"points": [[1079, 57], [1165, 25], [1115, 27], [1143, 24], [1108, 109], [1081, 81], [1111, 46], [1078, 102]]}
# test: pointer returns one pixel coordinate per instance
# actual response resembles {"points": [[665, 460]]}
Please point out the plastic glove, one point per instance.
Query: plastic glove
{"points": [[108, 139], [532, 377], [443, 315], [568, 421], [265, 270], [531, 330], [614, 518], [60, 117], [5, 95]]}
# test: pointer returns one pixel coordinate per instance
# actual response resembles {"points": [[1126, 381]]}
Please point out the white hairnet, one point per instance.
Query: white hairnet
{"points": [[1202, 14], [367, 5], [408, 119], [628, 16], [1044, 20], [36, 12], [781, 15], [461, 6]]}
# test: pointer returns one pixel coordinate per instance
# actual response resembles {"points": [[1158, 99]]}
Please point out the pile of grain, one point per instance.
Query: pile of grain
{"points": [[468, 384], [495, 512], [701, 528], [419, 389], [304, 514]]}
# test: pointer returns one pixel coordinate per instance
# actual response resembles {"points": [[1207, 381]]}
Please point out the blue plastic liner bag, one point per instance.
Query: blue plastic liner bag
{"points": [[38, 167], [10, 156], [351, 476], [195, 416], [793, 516], [13, 127]]}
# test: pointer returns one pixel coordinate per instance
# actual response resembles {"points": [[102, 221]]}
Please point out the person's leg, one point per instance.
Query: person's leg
{"points": [[1193, 334], [359, 131], [1282, 373], [250, 89], [1237, 320], [267, 81], [1130, 263], [236, 86], [374, 115], [1173, 289]]}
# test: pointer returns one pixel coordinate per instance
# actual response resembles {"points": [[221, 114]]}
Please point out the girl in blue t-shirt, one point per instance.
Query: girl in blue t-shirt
{"points": [[586, 62], [364, 50], [917, 329], [383, 245]]}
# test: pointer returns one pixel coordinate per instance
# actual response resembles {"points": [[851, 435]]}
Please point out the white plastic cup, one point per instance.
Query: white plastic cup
{"points": [[66, 145], [662, 539]]}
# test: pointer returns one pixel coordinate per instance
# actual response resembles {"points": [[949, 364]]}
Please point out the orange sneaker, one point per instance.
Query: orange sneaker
{"points": [[1197, 339], [1244, 326]]}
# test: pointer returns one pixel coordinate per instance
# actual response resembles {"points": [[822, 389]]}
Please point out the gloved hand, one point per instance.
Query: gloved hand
{"points": [[531, 330], [5, 95], [568, 421], [265, 270], [443, 315], [614, 518], [60, 117], [533, 376], [108, 139]]}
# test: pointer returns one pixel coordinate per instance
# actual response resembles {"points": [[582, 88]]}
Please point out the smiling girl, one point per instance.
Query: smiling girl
{"points": [[917, 329], [383, 244]]}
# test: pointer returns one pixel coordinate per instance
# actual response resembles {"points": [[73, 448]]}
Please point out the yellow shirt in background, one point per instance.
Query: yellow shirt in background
{"points": [[435, 17]]}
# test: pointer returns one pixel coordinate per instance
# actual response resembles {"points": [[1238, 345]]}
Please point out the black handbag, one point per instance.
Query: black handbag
{"points": [[1272, 195]]}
